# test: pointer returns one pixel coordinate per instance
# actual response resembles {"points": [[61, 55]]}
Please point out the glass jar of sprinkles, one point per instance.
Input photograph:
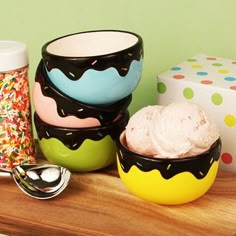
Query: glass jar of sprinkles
{"points": [[16, 137]]}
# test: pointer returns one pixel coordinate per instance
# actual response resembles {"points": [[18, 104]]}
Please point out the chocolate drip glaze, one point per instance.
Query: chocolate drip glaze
{"points": [[68, 106], [74, 67], [73, 138], [169, 167]]}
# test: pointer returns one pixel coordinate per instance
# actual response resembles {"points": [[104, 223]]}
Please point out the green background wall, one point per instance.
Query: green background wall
{"points": [[172, 30]]}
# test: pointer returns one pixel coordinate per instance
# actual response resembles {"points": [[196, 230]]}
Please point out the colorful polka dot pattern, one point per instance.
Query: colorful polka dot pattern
{"points": [[216, 99], [207, 71], [226, 158], [230, 120], [188, 93], [218, 71]]}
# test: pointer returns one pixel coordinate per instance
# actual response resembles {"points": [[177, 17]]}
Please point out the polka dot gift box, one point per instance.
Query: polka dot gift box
{"points": [[210, 82]]}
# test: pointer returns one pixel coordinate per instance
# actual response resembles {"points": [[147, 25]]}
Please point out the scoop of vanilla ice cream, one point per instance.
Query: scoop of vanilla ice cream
{"points": [[182, 129], [137, 131]]}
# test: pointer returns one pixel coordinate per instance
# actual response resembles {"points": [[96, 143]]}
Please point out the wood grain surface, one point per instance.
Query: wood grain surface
{"points": [[98, 204]]}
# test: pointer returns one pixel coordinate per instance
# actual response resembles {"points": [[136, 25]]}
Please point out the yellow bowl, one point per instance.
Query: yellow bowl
{"points": [[167, 181]]}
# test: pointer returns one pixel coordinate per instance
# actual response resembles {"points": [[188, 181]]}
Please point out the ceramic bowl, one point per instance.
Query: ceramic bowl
{"points": [[55, 108], [80, 149], [167, 181], [95, 67]]}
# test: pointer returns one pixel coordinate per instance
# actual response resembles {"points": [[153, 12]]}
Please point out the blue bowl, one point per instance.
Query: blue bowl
{"points": [[95, 67]]}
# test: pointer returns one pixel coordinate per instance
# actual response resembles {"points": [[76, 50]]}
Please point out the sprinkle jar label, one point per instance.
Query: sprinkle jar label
{"points": [[15, 119]]}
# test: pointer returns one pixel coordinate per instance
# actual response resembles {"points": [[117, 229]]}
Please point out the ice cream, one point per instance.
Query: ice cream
{"points": [[181, 129], [138, 131]]}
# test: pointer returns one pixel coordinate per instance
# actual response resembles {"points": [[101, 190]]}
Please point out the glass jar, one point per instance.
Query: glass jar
{"points": [[16, 136]]}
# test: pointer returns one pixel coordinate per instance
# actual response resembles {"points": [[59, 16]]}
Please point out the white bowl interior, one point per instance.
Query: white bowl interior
{"points": [[92, 43]]}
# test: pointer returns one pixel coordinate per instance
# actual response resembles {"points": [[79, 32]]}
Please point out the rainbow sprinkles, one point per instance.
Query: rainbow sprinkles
{"points": [[15, 119]]}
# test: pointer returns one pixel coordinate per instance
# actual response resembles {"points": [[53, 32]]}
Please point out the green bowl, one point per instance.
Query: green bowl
{"points": [[80, 149]]}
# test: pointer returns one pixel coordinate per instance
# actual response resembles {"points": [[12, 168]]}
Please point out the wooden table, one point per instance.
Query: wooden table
{"points": [[99, 204]]}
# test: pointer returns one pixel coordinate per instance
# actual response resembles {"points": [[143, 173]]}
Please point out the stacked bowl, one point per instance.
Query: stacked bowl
{"points": [[83, 87]]}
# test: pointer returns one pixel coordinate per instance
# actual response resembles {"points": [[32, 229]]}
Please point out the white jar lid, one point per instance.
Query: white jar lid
{"points": [[13, 55]]}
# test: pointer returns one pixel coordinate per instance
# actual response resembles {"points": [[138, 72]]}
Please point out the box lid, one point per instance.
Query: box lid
{"points": [[204, 69]]}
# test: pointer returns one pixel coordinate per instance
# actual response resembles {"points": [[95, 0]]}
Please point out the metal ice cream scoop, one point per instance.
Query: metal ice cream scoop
{"points": [[41, 181]]}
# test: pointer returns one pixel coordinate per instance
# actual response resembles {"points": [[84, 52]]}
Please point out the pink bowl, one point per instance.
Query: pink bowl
{"points": [[46, 109]]}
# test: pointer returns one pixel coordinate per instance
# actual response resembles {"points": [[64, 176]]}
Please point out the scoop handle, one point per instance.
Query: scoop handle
{"points": [[5, 172]]}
